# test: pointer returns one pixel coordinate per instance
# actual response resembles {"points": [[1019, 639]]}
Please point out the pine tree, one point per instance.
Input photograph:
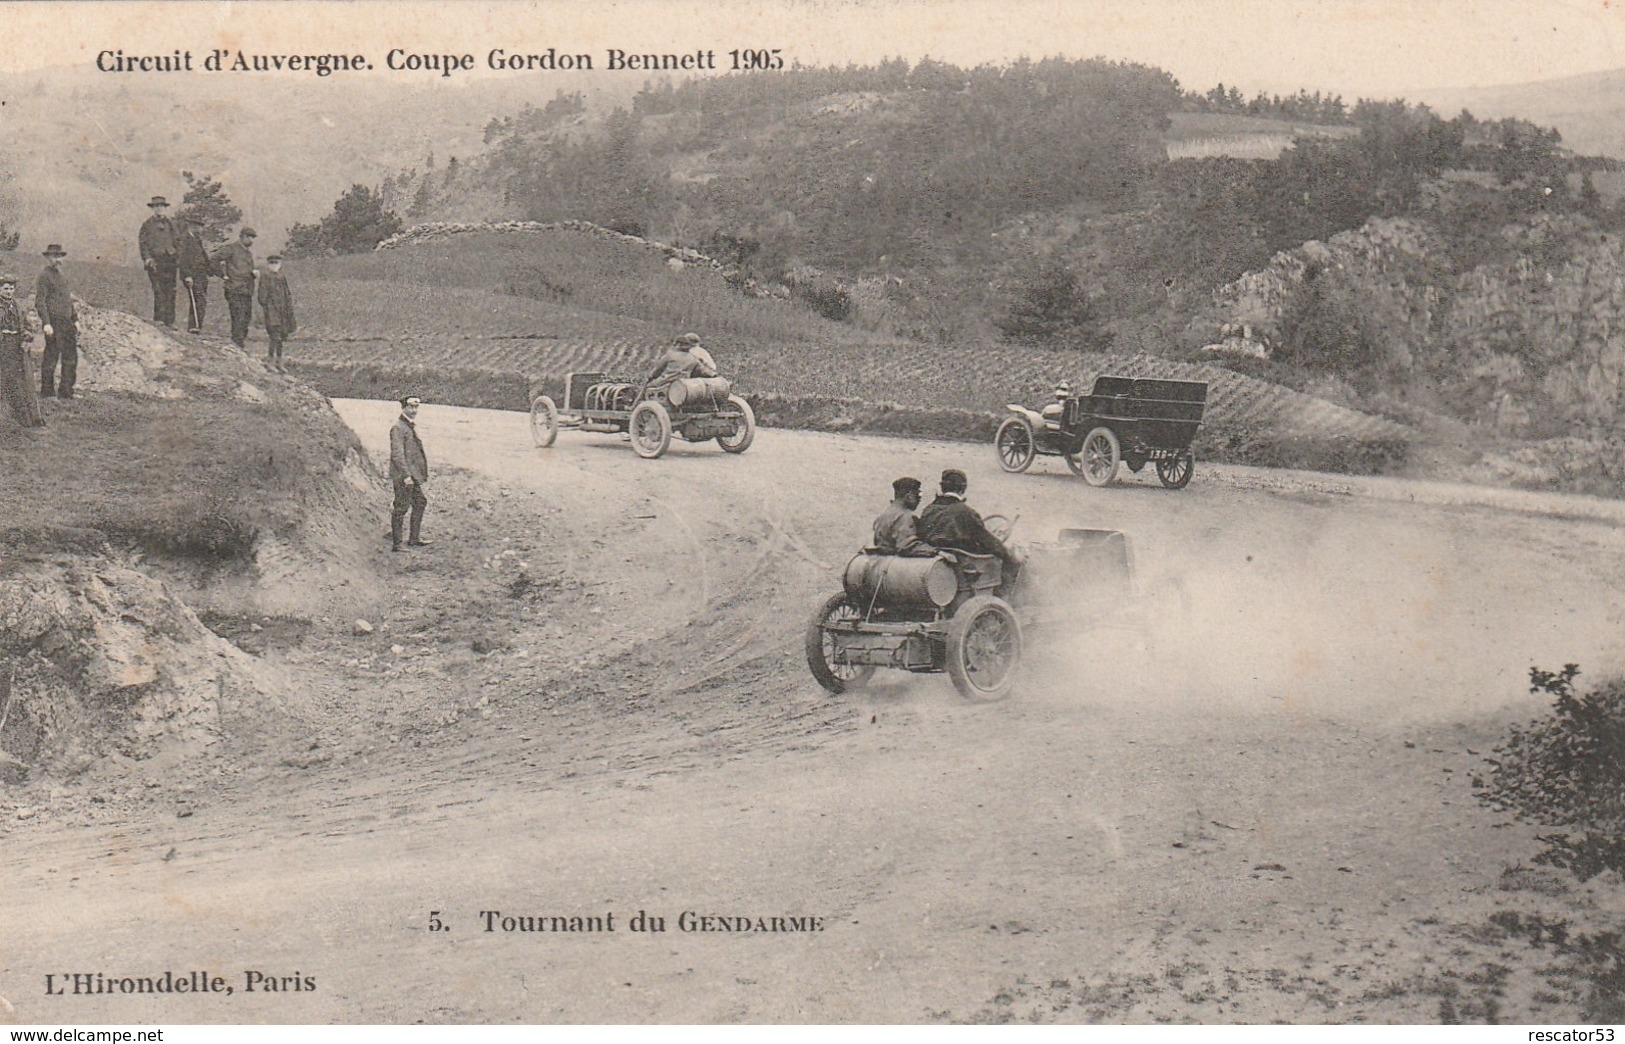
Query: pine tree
{"points": [[206, 199]]}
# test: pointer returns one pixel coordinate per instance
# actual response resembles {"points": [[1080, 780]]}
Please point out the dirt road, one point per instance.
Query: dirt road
{"points": [[1258, 810]]}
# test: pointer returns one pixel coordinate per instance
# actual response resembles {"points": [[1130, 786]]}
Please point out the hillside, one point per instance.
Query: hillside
{"points": [[1588, 110], [87, 151]]}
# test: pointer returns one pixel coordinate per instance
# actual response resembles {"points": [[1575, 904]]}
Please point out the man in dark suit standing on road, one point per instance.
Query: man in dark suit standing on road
{"points": [[160, 244], [408, 471], [60, 322]]}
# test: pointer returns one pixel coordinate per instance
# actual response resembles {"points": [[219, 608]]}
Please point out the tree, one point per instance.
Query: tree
{"points": [[358, 223], [206, 199], [1051, 308]]}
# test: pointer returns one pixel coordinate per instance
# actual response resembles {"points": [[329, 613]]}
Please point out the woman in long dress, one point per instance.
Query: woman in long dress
{"points": [[16, 368]]}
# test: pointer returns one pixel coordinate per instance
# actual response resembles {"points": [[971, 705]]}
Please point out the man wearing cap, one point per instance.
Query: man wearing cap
{"points": [[160, 245], [235, 262], [277, 301], [195, 268], [60, 321], [685, 358], [894, 528], [951, 523], [408, 471], [16, 382]]}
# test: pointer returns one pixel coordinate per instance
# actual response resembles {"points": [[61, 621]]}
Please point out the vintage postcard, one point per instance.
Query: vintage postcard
{"points": [[812, 512]]}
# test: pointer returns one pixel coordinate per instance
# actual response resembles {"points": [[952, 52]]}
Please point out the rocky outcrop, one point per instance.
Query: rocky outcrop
{"points": [[99, 659]]}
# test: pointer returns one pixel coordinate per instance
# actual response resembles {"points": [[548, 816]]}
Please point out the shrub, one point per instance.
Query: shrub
{"points": [[1568, 771]]}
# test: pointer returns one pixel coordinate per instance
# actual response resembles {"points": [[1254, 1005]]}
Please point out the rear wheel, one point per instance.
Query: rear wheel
{"points": [[1014, 443], [1100, 456], [744, 431], [544, 421], [832, 675], [1176, 472], [984, 648], [650, 426]]}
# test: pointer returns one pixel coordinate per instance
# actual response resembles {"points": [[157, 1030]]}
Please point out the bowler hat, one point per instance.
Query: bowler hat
{"points": [[905, 485], [54, 250], [273, 259], [247, 233], [158, 201], [953, 480], [8, 280]]}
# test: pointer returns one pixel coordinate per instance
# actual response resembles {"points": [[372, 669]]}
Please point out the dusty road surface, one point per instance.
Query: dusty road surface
{"points": [[589, 700]]}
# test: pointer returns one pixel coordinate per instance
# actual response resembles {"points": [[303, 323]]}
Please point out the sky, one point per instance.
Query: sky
{"points": [[1372, 48]]}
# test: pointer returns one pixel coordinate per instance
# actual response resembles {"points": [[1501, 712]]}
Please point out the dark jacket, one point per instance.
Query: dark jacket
{"points": [[14, 325], [950, 522], [52, 300], [277, 300], [158, 237], [193, 260], [406, 456], [235, 261]]}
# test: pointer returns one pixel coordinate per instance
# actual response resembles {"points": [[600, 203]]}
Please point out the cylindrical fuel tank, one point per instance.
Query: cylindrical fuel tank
{"points": [[699, 391], [892, 581]]}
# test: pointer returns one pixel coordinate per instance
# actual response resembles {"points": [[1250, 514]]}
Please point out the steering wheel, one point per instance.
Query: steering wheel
{"points": [[1001, 526]]}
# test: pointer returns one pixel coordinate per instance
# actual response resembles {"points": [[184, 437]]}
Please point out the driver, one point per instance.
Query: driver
{"points": [[685, 358], [949, 522], [1053, 412]]}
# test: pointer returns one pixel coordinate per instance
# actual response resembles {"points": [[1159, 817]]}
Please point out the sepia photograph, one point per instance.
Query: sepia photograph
{"points": [[812, 512]]}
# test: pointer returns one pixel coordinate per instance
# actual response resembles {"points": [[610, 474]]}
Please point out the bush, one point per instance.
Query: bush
{"points": [[1568, 771]]}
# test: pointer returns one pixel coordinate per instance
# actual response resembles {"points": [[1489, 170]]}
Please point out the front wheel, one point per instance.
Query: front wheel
{"points": [[544, 421], [1176, 472], [1014, 444], [650, 426], [744, 430], [984, 648], [1100, 456], [832, 674]]}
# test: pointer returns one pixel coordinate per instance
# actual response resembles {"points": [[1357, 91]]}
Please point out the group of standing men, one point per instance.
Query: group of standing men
{"points": [[169, 251]]}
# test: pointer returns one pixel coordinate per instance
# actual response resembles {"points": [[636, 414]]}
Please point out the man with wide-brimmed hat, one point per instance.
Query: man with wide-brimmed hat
{"points": [[160, 246], [235, 262], [195, 268], [16, 380], [60, 321]]}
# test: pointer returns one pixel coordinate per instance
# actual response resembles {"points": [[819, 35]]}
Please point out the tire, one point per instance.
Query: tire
{"points": [[1101, 454], [740, 441], [984, 649], [836, 677], [650, 427], [1176, 473], [544, 421], [1014, 444]]}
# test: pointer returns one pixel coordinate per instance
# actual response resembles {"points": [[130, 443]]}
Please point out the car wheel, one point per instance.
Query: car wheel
{"points": [[650, 426], [821, 659]]}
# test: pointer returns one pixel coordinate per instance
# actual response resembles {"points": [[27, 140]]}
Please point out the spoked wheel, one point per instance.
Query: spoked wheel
{"points": [[1074, 461], [832, 675], [650, 426], [744, 432], [544, 421], [1015, 445], [984, 648], [1176, 473], [1100, 456]]}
